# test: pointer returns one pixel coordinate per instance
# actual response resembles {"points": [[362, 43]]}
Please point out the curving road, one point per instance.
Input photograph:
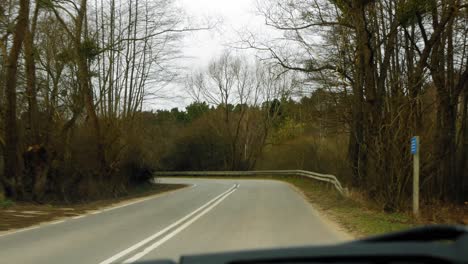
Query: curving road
{"points": [[211, 216]]}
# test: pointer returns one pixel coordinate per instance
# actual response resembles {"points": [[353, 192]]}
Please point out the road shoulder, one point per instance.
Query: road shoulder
{"points": [[25, 216], [327, 219]]}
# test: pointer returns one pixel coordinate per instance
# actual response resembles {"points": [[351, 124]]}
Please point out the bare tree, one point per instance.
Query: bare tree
{"points": [[386, 54], [244, 93], [12, 173]]}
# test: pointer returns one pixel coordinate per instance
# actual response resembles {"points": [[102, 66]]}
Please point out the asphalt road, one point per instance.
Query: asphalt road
{"points": [[211, 216]]}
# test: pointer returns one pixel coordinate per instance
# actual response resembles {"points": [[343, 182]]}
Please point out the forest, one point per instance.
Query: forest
{"points": [[341, 91]]}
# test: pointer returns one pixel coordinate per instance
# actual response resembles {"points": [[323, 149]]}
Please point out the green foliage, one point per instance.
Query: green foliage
{"points": [[342, 5], [89, 49], [45, 4], [288, 130], [196, 110], [203, 139], [196, 147], [230, 107], [178, 115], [5, 203], [408, 11], [193, 111], [273, 107], [240, 108]]}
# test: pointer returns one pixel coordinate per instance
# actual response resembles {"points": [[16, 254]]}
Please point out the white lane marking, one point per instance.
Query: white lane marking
{"points": [[95, 212], [39, 225], [127, 204], [140, 200], [30, 228], [56, 222], [19, 230], [175, 232], [158, 234]]}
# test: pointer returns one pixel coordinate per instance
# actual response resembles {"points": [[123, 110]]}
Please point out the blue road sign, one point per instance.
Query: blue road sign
{"points": [[414, 145]]}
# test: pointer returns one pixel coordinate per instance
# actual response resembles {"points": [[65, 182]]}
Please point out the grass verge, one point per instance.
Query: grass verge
{"points": [[6, 203], [362, 217], [357, 217], [20, 214]]}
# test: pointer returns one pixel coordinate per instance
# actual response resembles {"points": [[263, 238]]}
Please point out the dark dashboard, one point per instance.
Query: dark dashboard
{"points": [[430, 244]]}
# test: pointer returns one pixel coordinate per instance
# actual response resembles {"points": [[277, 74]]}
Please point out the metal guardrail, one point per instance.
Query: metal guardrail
{"points": [[309, 174]]}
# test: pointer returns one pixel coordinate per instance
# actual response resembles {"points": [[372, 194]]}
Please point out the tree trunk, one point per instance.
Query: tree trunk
{"points": [[462, 165], [449, 86], [84, 81], [445, 146], [365, 110], [12, 174], [31, 90], [37, 168]]}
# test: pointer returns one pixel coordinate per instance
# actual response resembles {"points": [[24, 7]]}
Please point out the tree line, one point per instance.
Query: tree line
{"points": [[341, 91], [74, 75], [400, 69]]}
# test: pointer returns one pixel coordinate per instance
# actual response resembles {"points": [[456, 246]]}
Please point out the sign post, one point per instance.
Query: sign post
{"points": [[415, 151]]}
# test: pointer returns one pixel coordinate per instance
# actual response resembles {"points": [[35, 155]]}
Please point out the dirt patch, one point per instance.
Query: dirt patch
{"points": [[22, 215]]}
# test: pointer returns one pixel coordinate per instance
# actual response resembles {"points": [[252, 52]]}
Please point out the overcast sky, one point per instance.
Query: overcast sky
{"points": [[200, 47], [235, 15]]}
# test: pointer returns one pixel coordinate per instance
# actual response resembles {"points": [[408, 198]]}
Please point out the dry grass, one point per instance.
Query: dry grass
{"points": [[362, 217], [438, 212], [354, 213]]}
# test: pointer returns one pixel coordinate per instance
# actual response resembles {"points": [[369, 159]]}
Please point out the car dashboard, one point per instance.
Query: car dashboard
{"points": [[431, 244]]}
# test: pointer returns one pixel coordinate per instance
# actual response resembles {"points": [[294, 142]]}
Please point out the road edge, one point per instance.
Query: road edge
{"points": [[338, 229], [105, 208]]}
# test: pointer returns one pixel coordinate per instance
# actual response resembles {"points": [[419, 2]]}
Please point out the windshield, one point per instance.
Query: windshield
{"points": [[154, 129]]}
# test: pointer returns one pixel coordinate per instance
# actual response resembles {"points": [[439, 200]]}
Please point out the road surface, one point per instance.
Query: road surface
{"points": [[210, 216]]}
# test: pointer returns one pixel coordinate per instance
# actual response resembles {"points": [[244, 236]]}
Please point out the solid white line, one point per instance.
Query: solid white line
{"points": [[56, 222], [19, 230], [127, 204], [156, 235], [175, 232], [39, 225], [139, 200]]}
